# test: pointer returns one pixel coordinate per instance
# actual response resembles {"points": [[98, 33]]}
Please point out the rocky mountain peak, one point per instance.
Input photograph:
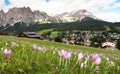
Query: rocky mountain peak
{"points": [[37, 12], [2, 16], [20, 10], [2, 12], [76, 15], [40, 16], [26, 15], [15, 14], [79, 13]]}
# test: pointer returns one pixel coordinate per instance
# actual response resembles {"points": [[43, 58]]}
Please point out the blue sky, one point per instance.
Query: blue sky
{"points": [[47, 0], [117, 0], [7, 2], [104, 9]]}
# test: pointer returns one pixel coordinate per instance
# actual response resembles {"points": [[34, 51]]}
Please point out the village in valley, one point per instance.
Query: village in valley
{"points": [[98, 39]]}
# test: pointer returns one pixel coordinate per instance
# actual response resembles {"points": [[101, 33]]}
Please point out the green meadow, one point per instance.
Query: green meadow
{"points": [[46, 59]]}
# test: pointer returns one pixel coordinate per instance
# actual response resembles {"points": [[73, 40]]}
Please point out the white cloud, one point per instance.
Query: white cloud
{"points": [[50, 7], [116, 5], [2, 4], [109, 16], [59, 6]]}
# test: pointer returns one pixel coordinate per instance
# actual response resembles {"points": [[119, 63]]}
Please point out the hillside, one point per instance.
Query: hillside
{"points": [[44, 57], [91, 25]]}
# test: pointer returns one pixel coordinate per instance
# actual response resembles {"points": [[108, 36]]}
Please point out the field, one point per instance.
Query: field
{"points": [[33, 56]]}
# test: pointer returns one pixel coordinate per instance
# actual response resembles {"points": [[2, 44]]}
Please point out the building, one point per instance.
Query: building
{"points": [[30, 35], [108, 45]]}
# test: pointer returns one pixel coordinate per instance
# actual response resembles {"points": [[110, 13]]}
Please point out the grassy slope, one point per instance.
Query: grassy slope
{"points": [[25, 52], [64, 46]]}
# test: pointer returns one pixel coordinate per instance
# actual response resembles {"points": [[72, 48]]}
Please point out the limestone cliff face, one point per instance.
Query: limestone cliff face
{"points": [[2, 17], [26, 15], [21, 14], [77, 15]]}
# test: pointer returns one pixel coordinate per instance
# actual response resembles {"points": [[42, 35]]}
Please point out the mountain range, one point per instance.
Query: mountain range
{"points": [[28, 16], [18, 20]]}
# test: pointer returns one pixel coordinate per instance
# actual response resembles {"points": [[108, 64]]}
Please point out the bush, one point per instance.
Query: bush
{"points": [[58, 39], [118, 44]]}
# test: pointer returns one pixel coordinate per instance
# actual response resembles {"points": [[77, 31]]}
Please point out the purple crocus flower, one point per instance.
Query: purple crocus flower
{"points": [[87, 58], [81, 65], [107, 59], [98, 61], [7, 52], [111, 63], [95, 56], [34, 47], [40, 48], [67, 55], [54, 52], [80, 56], [62, 53], [14, 44]]}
